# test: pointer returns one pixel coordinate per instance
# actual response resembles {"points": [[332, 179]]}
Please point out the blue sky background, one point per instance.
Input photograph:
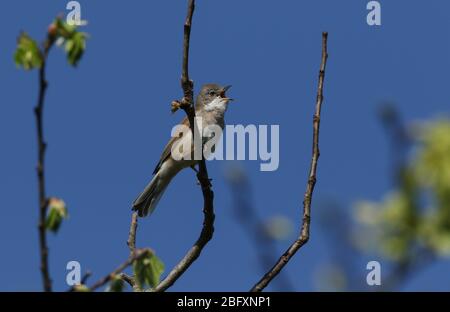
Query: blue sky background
{"points": [[107, 121]]}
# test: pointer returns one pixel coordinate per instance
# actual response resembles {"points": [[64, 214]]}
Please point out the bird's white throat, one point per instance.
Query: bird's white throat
{"points": [[218, 104]]}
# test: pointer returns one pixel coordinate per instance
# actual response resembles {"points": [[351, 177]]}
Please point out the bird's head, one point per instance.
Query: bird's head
{"points": [[213, 96]]}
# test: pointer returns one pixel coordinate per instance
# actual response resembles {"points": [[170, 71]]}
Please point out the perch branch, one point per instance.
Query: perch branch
{"points": [[187, 104], [42, 146], [304, 233]]}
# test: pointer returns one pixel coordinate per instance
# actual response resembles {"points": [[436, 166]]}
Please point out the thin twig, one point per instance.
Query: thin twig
{"points": [[42, 145], [304, 233], [186, 83], [85, 277], [129, 279], [138, 254], [131, 242], [187, 104]]}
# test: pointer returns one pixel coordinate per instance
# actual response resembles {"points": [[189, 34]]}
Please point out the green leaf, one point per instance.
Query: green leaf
{"points": [[157, 269], [148, 270], [116, 284], [417, 214], [63, 29], [75, 41], [27, 54], [432, 162], [392, 222], [57, 211], [75, 48]]}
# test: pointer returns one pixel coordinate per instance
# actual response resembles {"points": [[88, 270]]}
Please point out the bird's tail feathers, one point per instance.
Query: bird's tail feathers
{"points": [[146, 202]]}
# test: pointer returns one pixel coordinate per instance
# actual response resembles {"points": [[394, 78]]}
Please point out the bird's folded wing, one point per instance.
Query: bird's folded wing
{"points": [[168, 149]]}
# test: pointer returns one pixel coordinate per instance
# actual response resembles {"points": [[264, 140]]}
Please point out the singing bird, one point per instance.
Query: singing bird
{"points": [[211, 106]]}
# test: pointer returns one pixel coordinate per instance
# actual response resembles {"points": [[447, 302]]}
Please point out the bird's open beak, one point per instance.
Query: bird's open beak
{"points": [[224, 90]]}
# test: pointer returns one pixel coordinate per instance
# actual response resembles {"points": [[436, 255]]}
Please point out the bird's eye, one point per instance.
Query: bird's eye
{"points": [[211, 92]]}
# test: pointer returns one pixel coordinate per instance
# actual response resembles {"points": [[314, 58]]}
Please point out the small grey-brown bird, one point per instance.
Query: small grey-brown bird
{"points": [[211, 106]]}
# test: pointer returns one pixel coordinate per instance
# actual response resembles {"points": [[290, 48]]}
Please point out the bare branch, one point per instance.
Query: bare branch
{"points": [[304, 233], [187, 104], [42, 146], [185, 81], [130, 280], [131, 242]]}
